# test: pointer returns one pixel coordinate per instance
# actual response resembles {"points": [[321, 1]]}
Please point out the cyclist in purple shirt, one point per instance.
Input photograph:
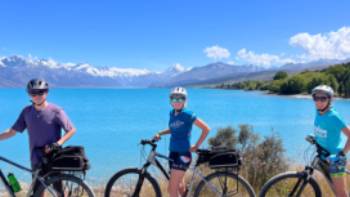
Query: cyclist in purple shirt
{"points": [[43, 121]]}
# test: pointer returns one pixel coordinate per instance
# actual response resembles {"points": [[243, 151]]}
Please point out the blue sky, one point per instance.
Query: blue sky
{"points": [[156, 34]]}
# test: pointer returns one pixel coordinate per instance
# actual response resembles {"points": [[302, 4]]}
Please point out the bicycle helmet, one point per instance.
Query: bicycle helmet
{"points": [[178, 91], [37, 86], [325, 89]]}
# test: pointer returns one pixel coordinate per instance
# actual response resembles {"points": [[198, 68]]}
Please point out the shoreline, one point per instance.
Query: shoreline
{"points": [[265, 92]]}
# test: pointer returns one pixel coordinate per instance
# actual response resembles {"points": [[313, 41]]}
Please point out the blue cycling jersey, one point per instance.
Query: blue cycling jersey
{"points": [[180, 126], [328, 131]]}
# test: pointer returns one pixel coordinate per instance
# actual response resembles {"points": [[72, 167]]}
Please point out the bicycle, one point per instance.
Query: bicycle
{"points": [[217, 183], [302, 183], [56, 183]]}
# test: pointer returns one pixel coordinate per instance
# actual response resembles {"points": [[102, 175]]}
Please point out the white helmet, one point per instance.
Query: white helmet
{"points": [[323, 89], [178, 91]]}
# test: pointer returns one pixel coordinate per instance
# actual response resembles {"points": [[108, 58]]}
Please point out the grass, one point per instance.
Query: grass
{"points": [[163, 183]]}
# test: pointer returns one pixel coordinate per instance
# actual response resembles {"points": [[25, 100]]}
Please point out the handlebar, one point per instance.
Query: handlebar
{"points": [[320, 150], [149, 142]]}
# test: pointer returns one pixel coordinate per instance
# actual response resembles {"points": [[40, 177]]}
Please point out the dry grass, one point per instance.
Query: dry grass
{"points": [[163, 183]]}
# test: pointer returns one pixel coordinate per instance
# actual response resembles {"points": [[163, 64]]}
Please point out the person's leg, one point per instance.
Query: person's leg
{"points": [[37, 183], [182, 187], [176, 177], [337, 171], [179, 164], [57, 186], [339, 183]]}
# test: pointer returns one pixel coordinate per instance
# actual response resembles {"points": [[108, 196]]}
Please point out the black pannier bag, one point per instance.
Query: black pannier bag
{"points": [[225, 159], [70, 158], [219, 158]]}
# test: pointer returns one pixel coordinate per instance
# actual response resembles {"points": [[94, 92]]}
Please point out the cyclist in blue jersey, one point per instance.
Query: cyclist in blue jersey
{"points": [[328, 129], [180, 127]]}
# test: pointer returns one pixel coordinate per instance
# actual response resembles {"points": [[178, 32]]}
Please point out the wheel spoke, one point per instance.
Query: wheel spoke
{"points": [[223, 185]]}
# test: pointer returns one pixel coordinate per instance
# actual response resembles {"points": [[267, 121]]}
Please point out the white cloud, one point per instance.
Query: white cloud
{"points": [[216, 52], [263, 59], [332, 45]]}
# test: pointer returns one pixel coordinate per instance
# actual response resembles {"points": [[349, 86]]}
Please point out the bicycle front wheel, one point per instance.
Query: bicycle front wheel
{"points": [[132, 182], [64, 185], [227, 184], [291, 184]]}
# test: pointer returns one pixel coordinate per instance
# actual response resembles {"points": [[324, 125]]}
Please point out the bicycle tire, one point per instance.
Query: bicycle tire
{"points": [[311, 183], [132, 171], [243, 184], [66, 182]]}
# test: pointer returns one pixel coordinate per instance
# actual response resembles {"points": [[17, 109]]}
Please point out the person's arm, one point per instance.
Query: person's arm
{"points": [[60, 142], [205, 130], [66, 136], [160, 133], [7, 134], [346, 131], [64, 122]]}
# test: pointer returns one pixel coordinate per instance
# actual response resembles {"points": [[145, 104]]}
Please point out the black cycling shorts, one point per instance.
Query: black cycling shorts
{"points": [[180, 161]]}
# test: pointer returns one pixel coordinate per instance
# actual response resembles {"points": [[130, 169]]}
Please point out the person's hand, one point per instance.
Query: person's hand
{"points": [[193, 148], [156, 137], [52, 147], [337, 158], [341, 156]]}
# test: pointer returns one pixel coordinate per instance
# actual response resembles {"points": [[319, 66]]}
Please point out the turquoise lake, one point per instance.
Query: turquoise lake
{"points": [[110, 122]]}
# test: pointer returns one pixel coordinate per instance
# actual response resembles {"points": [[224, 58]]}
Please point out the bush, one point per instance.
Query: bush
{"points": [[262, 158], [280, 75], [294, 85]]}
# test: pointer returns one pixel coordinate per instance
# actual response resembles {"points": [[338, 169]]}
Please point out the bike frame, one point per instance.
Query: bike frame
{"points": [[152, 160], [315, 165], [35, 174]]}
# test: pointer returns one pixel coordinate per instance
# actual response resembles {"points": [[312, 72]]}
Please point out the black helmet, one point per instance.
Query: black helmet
{"points": [[37, 86]]}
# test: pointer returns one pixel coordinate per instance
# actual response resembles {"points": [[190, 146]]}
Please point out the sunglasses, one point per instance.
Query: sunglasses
{"points": [[320, 98], [177, 100], [33, 94]]}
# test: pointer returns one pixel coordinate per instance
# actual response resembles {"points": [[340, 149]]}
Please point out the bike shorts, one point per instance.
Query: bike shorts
{"points": [[180, 161]]}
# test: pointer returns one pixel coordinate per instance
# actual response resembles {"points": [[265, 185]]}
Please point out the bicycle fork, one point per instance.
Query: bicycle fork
{"points": [[302, 182], [140, 180]]}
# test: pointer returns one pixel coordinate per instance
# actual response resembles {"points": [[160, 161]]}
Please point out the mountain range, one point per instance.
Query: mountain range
{"points": [[15, 71]]}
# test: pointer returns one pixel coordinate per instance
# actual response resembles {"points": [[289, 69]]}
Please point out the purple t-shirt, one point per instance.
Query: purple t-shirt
{"points": [[44, 127]]}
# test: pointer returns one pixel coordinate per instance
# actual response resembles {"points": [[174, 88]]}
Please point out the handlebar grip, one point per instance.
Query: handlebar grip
{"points": [[310, 139], [151, 142]]}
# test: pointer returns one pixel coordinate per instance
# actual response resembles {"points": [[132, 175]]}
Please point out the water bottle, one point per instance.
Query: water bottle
{"points": [[16, 187]]}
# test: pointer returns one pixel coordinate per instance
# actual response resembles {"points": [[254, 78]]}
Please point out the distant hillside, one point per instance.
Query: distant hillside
{"points": [[337, 76]]}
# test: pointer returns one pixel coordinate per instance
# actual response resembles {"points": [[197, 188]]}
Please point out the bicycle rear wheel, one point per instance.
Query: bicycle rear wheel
{"points": [[132, 182], [64, 185], [227, 184], [291, 184]]}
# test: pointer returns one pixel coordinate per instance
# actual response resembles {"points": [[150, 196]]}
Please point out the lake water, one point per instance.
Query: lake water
{"points": [[110, 122]]}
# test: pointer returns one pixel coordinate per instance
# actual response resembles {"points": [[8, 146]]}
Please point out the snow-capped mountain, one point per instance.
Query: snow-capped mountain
{"points": [[209, 73], [15, 71]]}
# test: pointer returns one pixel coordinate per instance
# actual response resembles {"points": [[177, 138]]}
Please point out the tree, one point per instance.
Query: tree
{"points": [[280, 75], [275, 86], [294, 85], [225, 137], [322, 78]]}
